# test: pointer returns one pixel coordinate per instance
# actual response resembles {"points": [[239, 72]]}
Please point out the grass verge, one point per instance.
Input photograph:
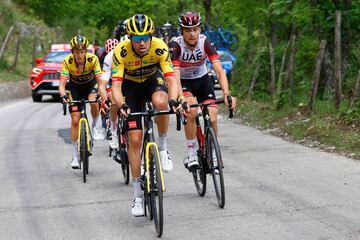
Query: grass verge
{"points": [[326, 128]]}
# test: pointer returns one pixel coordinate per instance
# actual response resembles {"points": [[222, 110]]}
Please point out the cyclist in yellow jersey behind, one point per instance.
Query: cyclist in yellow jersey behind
{"points": [[83, 71], [137, 77]]}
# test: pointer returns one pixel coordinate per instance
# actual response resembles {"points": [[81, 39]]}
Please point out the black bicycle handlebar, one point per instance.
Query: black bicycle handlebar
{"points": [[78, 101], [219, 101], [180, 119]]}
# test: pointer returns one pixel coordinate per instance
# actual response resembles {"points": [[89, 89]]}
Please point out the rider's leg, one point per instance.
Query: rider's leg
{"points": [[113, 114], [160, 101], [75, 117], [95, 113], [213, 110], [113, 141], [134, 148]]}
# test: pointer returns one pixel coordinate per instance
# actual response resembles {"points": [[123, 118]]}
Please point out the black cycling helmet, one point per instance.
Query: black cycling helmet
{"points": [[189, 20]]}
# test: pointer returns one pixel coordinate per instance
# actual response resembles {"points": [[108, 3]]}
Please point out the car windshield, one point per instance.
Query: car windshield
{"points": [[225, 58], [56, 57]]}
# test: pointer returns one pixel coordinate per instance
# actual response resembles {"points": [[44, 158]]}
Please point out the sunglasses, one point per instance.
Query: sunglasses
{"points": [[139, 38]]}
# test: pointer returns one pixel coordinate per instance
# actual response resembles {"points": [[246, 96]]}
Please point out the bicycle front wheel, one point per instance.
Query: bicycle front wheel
{"points": [[214, 159], [199, 175], [156, 191], [84, 157]]}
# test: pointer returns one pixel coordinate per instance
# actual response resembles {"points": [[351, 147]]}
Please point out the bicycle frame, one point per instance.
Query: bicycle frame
{"points": [[207, 123], [149, 140], [83, 118]]}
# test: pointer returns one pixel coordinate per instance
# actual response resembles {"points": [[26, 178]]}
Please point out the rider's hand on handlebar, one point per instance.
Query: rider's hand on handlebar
{"points": [[104, 105], [174, 105], [124, 110], [233, 102], [64, 99], [185, 106]]}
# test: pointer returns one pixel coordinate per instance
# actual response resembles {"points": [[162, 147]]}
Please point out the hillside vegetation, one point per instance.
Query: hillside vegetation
{"points": [[298, 61]]}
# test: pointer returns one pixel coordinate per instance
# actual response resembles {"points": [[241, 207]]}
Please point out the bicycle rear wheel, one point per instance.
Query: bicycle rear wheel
{"points": [[214, 159], [84, 157], [233, 42], [156, 192], [122, 150], [199, 175], [125, 164]]}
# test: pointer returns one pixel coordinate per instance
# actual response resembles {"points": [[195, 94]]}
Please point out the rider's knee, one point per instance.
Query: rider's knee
{"points": [[135, 140]]}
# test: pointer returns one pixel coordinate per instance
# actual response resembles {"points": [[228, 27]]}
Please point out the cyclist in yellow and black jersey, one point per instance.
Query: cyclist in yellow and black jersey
{"points": [[138, 69], [80, 75], [142, 71]]}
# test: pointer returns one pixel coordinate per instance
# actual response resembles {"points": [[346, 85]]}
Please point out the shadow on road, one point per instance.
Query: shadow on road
{"points": [[65, 134]]}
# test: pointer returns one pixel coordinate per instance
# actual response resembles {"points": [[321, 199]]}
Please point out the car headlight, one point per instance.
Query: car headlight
{"points": [[37, 70]]}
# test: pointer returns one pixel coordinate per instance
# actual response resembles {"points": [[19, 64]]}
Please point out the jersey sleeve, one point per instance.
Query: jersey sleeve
{"points": [[64, 71], [117, 67], [106, 74], [97, 68], [210, 51], [175, 52], [165, 62]]}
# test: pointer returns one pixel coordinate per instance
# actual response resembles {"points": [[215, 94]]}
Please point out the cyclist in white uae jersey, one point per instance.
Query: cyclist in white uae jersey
{"points": [[110, 44], [188, 54]]}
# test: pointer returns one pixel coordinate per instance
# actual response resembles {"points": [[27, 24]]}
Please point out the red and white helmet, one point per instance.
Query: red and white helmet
{"points": [[110, 44], [189, 20]]}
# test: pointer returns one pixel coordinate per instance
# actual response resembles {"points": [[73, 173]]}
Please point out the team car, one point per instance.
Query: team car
{"points": [[45, 76], [227, 61]]}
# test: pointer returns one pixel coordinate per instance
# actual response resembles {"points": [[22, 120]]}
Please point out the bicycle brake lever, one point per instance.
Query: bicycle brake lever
{"points": [[231, 112], [64, 109]]}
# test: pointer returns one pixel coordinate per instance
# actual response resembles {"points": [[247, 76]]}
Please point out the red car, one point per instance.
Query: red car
{"points": [[45, 76]]}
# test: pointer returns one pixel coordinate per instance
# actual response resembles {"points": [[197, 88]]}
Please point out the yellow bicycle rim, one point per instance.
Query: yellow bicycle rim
{"points": [[87, 133], [147, 165]]}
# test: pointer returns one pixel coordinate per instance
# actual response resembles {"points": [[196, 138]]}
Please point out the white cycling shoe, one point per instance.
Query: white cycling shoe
{"points": [[137, 208], [114, 143], [167, 164], [96, 133], [75, 163], [191, 160]]}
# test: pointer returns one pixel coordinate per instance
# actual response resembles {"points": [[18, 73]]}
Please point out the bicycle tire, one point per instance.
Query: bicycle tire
{"points": [[216, 170], [199, 175], [125, 165], [233, 42], [83, 150], [121, 153], [156, 193], [147, 201]]}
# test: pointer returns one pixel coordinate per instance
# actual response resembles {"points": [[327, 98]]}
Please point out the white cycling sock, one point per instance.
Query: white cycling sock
{"points": [[75, 151], [191, 144], [95, 121], [162, 142], [137, 188], [113, 125]]}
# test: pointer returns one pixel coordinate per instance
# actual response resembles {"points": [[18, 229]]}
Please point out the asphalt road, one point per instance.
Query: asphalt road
{"points": [[274, 189]]}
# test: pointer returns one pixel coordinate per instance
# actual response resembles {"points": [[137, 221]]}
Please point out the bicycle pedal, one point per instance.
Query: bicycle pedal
{"points": [[116, 159]]}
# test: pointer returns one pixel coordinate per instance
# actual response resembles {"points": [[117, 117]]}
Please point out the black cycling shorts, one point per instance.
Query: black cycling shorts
{"points": [[201, 88], [80, 91], [136, 94]]}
